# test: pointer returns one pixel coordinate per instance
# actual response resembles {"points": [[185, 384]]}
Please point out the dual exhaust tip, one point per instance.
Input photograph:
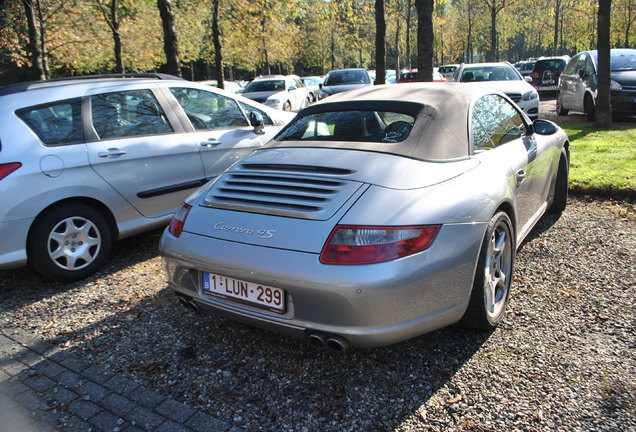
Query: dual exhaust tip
{"points": [[323, 340], [319, 340]]}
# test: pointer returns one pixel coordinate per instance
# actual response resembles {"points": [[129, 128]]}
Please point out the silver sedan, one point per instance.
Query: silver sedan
{"points": [[373, 217]]}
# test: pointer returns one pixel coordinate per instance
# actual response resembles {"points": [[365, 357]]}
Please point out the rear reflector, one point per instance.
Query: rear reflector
{"points": [[366, 245], [8, 168]]}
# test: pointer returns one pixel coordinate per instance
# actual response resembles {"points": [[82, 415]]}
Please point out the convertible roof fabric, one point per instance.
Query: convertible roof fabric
{"points": [[441, 112]]}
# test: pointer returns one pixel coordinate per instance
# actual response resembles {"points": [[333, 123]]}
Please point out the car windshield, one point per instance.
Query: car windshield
{"points": [[360, 126], [489, 73], [620, 60], [447, 69], [265, 85], [347, 77]]}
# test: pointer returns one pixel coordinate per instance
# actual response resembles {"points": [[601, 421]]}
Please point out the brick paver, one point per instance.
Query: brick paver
{"points": [[43, 388]]}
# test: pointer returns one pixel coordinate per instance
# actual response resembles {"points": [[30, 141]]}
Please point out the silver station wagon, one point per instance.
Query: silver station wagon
{"points": [[88, 160], [373, 217]]}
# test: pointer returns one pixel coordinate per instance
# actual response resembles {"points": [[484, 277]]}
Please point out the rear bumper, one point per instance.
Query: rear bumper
{"points": [[368, 305], [13, 244]]}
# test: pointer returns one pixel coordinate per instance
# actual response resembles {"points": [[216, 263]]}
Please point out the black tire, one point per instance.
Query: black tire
{"points": [[560, 197], [590, 108], [69, 242], [559, 106], [287, 106], [493, 276]]}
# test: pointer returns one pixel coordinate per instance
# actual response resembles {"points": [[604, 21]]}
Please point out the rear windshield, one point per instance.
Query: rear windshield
{"points": [[359, 126], [552, 65], [447, 69]]}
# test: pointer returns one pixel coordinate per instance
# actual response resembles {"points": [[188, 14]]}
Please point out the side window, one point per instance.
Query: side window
{"points": [[55, 123], [207, 110], [128, 114], [589, 69], [495, 122], [249, 109]]}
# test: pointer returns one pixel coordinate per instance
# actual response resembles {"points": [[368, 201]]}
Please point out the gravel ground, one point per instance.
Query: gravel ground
{"points": [[564, 358]]}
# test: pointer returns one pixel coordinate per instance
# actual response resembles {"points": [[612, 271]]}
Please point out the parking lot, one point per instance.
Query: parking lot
{"points": [[117, 352]]}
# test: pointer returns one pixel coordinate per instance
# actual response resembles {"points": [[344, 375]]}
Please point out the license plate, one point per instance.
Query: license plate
{"points": [[245, 292], [546, 88]]}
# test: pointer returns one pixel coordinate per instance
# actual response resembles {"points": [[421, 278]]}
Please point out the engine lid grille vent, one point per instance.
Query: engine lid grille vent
{"points": [[282, 194]]}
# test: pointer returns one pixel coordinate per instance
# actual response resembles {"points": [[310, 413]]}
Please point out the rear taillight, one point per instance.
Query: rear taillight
{"points": [[8, 168], [366, 245], [534, 74], [178, 220]]}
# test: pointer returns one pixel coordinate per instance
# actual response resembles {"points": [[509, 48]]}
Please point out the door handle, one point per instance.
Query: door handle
{"points": [[212, 142], [111, 152], [520, 175]]}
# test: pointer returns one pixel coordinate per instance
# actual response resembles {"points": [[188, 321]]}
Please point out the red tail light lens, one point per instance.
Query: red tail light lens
{"points": [[178, 220], [8, 168], [366, 245]]}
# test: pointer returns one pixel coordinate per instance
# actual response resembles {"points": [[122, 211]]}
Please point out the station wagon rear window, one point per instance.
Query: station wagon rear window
{"points": [[55, 123], [354, 126]]}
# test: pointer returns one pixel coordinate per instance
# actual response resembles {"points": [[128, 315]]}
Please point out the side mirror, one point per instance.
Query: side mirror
{"points": [[256, 121], [528, 79], [544, 127]]}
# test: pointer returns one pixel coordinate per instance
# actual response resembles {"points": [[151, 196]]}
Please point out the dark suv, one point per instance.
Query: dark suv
{"points": [[546, 72], [579, 82]]}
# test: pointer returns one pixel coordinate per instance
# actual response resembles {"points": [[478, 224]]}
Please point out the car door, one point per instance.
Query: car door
{"points": [[218, 127], [570, 83], [501, 136], [134, 146]]}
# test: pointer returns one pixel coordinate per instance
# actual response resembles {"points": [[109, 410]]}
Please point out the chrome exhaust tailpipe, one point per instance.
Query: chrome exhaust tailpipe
{"points": [[318, 340], [188, 303], [337, 343]]}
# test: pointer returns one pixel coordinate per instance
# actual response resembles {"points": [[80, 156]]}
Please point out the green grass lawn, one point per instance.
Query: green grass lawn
{"points": [[603, 163]]}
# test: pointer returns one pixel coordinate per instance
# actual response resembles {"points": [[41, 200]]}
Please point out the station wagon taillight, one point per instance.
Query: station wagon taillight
{"points": [[368, 244], [8, 168]]}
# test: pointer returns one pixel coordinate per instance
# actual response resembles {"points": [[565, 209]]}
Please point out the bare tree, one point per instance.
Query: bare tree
{"points": [[425, 39], [170, 40], [603, 119], [380, 48]]}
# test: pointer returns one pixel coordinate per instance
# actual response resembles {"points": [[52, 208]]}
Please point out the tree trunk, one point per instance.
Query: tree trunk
{"points": [[603, 119], [170, 40], [557, 11], [397, 45], [216, 40], [34, 41], [380, 37], [493, 54], [409, 63], [43, 50], [119, 50], [425, 39]]}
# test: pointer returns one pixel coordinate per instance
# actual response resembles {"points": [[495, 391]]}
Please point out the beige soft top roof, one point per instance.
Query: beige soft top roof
{"points": [[441, 111]]}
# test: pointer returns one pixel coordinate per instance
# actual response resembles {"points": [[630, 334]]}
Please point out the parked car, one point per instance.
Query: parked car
{"points": [[287, 93], [448, 70], [88, 160], [413, 76], [578, 83], [342, 80], [231, 86], [504, 77], [546, 72], [525, 68], [365, 222], [313, 85]]}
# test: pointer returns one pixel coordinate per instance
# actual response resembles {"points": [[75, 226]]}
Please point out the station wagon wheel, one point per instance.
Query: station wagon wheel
{"points": [[287, 106], [590, 108], [69, 242], [493, 276]]}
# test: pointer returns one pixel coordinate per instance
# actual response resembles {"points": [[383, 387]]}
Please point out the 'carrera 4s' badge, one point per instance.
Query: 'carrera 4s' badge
{"points": [[262, 233]]}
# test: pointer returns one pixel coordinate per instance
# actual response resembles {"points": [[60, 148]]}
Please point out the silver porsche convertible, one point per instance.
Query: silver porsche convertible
{"points": [[373, 217]]}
